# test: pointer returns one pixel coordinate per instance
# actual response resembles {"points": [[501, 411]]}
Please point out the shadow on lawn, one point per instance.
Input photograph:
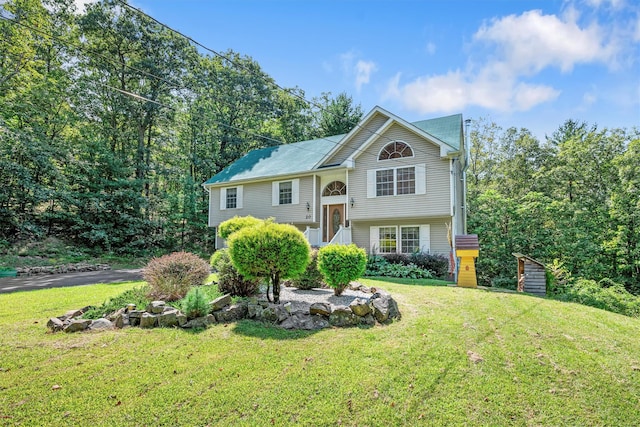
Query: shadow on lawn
{"points": [[255, 329]]}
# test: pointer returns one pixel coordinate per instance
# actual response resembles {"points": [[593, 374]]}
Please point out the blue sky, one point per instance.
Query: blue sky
{"points": [[520, 63]]}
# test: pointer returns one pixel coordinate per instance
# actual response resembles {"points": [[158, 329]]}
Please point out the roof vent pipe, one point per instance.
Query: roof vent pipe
{"points": [[467, 143]]}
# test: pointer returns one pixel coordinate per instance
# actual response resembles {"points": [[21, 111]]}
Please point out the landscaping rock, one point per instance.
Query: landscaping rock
{"points": [[77, 325], [101, 324], [148, 320], [254, 311], [343, 316], [168, 318], [134, 317], [73, 313], [220, 302], [320, 308], [182, 319], [384, 307], [55, 324], [360, 307], [231, 313], [305, 321], [118, 322], [156, 307], [367, 320], [200, 322]]}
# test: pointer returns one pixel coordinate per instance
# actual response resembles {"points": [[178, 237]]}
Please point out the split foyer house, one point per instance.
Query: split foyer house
{"points": [[389, 186]]}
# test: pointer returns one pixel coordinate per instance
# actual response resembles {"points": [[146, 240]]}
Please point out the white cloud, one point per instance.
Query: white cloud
{"points": [[363, 72], [80, 4], [513, 49], [357, 69]]}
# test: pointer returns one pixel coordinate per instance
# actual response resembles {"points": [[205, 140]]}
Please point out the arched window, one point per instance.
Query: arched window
{"points": [[335, 188], [395, 150]]}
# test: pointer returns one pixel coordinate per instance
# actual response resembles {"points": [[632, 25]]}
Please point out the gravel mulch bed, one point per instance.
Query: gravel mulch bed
{"points": [[302, 299]]}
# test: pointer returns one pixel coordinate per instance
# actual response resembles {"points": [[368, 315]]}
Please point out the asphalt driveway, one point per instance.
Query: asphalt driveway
{"points": [[27, 283]]}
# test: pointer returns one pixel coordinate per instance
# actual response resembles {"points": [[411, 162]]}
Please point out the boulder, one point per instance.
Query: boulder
{"points": [[343, 316], [200, 322], [254, 311], [55, 324], [360, 307], [77, 325], [134, 317], [367, 320], [168, 318], [73, 313], [384, 307], [113, 316], [156, 307], [118, 322], [305, 321], [101, 324], [220, 302], [148, 320], [320, 308], [231, 313], [182, 319]]}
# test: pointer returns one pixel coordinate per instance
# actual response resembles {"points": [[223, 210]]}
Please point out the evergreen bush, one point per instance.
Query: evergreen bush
{"points": [[230, 226], [230, 281], [311, 277], [195, 303], [340, 264], [171, 276]]}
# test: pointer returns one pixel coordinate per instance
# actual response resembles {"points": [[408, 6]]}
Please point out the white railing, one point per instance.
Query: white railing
{"points": [[342, 236], [313, 236]]}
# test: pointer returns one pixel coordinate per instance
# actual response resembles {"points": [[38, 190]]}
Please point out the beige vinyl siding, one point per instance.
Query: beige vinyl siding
{"points": [[257, 201], [438, 232], [435, 202], [364, 132]]}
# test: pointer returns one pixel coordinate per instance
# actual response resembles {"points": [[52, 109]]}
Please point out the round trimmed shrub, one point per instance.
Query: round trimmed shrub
{"points": [[229, 280], [171, 276], [340, 264], [230, 226], [269, 250]]}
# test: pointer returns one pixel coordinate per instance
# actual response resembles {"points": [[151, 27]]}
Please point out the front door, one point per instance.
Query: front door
{"points": [[333, 219]]}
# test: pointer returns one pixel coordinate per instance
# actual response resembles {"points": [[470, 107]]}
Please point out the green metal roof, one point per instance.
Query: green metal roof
{"points": [[446, 129], [280, 160], [303, 156]]}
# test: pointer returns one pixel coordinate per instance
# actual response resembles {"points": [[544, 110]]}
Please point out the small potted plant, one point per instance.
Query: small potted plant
{"points": [[7, 271]]}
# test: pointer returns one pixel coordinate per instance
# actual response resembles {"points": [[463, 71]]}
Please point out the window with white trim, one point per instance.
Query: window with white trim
{"points": [[395, 150], [404, 239], [231, 198], [285, 192], [396, 181]]}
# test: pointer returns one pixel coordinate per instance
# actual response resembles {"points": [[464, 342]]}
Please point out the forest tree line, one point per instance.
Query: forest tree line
{"points": [[110, 123]]}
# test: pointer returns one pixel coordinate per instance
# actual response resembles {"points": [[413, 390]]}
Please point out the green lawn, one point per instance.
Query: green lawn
{"points": [[457, 357]]}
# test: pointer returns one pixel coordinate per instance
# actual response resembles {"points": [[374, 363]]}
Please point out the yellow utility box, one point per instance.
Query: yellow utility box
{"points": [[467, 249]]}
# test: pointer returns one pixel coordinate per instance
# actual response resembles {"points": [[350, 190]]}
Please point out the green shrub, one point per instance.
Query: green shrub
{"points": [[435, 263], [311, 277], [410, 271], [171, 276], [137, 296], [230, 226], [396, 258], [229, 280], [269, 250], [375, 264], [340, 264], [614, 298], [195, 303], [505, 283]]}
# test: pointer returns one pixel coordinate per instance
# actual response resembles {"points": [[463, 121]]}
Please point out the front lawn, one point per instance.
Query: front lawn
{"points": [[457, 357]]}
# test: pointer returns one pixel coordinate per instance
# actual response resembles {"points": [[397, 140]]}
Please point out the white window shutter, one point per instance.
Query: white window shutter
{"points": [[371, 184], [421, 179], [275, 193], [295, 191], [223, 199], [239, 197], [425, 238], [374, 239]]}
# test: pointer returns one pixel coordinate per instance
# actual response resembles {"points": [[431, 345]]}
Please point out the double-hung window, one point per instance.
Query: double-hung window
{"points": [[396, 181], [285, 192], [406, 239], [231, 198]]}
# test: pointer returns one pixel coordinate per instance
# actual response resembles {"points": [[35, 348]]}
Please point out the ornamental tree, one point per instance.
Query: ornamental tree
{"points": [[230, 226], [340, 264], [270, 250]]}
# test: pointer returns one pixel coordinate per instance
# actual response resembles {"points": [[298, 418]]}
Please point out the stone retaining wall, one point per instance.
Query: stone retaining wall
{"points": [[59, 269], [379, 308]]}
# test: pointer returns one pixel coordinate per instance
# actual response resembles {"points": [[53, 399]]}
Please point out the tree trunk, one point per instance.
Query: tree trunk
{"points": [[275, 282]]}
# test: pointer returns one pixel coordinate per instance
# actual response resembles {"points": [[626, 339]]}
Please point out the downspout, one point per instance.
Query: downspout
{"points": [[215, 239], [467, 125]]}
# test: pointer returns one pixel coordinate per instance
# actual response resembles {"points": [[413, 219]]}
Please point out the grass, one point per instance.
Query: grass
{"points": [[457, 357]]}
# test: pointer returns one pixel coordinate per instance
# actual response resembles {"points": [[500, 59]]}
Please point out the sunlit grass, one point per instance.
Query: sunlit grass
{"points": [[457, 357]]}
